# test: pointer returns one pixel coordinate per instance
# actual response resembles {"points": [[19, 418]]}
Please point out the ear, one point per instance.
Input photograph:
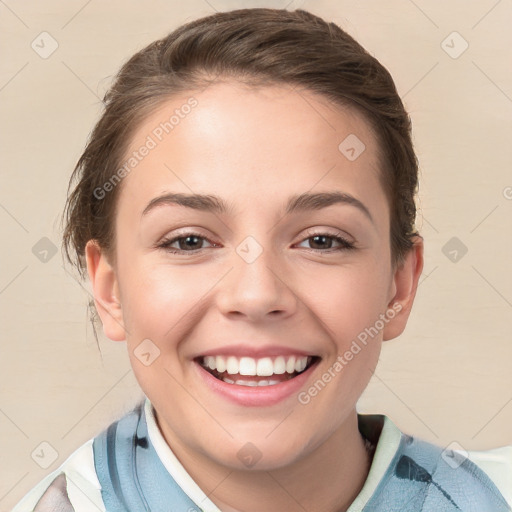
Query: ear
{"points": [[106, 291], [403, 289]]}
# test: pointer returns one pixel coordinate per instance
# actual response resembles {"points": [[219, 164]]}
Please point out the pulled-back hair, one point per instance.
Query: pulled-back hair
{"points": [[257, 47]]}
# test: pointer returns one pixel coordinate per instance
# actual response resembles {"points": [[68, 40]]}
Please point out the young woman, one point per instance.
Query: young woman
{"points": [[245, 212]]}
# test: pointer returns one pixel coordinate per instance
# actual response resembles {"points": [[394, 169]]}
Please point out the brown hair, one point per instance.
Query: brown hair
{"points": [[254, 46]]}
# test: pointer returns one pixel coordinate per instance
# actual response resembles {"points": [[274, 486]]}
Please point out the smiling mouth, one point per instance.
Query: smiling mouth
{"points": [[248, 371]]}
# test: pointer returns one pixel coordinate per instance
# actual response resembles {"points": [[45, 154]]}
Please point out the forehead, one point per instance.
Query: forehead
{"points": [[248, 143]]}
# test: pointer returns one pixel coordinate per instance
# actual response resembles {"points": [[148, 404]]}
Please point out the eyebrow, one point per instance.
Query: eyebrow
{"points": [[296, 203]]}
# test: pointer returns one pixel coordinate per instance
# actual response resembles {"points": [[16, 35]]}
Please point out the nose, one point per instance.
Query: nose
{"points": [[256, 289]]}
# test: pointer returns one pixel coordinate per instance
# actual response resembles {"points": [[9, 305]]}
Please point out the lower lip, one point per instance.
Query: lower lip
{"points": [[255, 396]]}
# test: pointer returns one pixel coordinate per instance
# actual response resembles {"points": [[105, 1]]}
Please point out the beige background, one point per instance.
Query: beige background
{"points": [[448, 378]]}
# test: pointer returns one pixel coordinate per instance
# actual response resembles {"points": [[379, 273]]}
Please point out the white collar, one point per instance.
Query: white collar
{"points": [[173, 465]]}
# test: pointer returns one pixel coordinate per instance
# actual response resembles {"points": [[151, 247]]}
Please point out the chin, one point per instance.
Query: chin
{"points": [[261, 453]]}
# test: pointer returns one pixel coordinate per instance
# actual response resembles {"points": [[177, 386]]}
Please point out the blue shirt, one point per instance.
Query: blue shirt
{"points": [[129, 467]]}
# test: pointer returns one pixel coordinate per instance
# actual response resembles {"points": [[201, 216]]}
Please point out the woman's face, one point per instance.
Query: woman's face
{"points": [[285, 262]]}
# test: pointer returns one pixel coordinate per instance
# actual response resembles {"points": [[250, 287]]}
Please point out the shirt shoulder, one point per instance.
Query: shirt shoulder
{"points": [[413, 474], [444, 479], [497, 464], [72, 487]]}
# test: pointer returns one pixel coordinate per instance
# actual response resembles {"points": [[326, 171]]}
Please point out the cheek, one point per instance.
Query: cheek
{"points": [[160, 301], [161, 304], [348, 299], [362, 300]]}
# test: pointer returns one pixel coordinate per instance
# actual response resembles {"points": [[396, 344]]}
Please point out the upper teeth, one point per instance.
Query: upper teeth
{"points": [[263, 367]]}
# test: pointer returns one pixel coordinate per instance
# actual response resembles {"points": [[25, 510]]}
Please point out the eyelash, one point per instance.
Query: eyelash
{"points": [[345, 244]]}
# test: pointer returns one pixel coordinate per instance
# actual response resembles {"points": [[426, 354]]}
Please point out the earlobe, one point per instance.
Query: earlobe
{"points": [[403, 291], [106, 291]]}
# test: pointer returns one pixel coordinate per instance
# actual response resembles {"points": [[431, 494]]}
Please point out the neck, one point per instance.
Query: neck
{"points": [[328, 479]]}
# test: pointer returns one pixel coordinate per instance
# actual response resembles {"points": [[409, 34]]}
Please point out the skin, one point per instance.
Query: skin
{"points": [[255, 147]]}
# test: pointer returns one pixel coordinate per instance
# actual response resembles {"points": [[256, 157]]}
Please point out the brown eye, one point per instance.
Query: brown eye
{"points": [[188, 242], [324, 242]]}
